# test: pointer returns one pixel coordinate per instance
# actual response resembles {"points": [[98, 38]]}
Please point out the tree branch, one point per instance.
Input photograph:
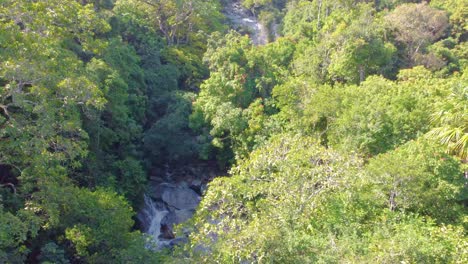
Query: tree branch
{"points": [[4, 108]]}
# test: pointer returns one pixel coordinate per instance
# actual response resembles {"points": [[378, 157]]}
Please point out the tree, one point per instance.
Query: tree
{"points": [[419, 178], [376, 116], [363, 50], [51, 77], [451, 119], [457, 16], [96, 225], [15, 230], [178, 21], [416, 26], [346, 45], [294, 201], [238, 90], [270, 198]]}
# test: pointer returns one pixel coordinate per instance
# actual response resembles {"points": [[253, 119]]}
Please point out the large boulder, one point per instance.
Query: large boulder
{"points": [[180, 198], [177, 216], [169, 219], [183, 215], [166, 232], [157, 189]]}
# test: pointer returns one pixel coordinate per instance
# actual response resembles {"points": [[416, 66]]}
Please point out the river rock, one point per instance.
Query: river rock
{"points": [[183, 215], [244, 21], [166, 232], [196, 186], [157, 189], [181, 198], [176, 217], [169, 219]]}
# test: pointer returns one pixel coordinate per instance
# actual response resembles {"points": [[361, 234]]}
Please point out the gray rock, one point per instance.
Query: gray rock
{"points": [[183, 215], [157, 189], [181, 198], [166, 232], [169, 219], [196, 186], [196, 183], [183, 184]]}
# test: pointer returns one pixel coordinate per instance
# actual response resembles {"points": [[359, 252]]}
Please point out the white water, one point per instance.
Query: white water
{"points": [[154, 212], [151, 216], [239, 17]]}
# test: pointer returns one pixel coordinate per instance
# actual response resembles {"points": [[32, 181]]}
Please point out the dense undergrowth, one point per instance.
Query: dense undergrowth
{"points": [[346, 137]]}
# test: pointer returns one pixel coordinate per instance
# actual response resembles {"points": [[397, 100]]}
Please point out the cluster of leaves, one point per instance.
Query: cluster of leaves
{"points": [[327, 47], [234, 101]]}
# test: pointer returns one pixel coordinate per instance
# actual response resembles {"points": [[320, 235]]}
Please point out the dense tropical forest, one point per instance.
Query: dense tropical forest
{"points": [[337, 130]]}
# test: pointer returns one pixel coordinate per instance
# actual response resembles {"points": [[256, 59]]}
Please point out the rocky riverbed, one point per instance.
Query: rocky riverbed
{"points": [[172, 197], [244, 21], [174, 194]]}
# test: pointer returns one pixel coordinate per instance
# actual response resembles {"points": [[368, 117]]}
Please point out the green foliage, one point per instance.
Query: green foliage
{"points": [[115, 129], [169, 139], [51, 253], [272, 193], [169, 69], [44, 87], [415, 26], [457, 15], [379, 114], [76, 91], [179, 21], [345, 45], [420, 179], [294, 201], [234, 101], [96, 223], [15, 230], [95, 94], [451, 119], [415, 239]]}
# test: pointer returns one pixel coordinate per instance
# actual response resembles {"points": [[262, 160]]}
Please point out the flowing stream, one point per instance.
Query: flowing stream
{"points": [[172, 198], [173, 201], [166, 205], [150, 217], [241, 20]]}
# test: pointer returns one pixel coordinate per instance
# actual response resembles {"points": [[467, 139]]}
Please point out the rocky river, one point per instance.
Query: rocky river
{"points": [[172, 197], [244, 21], [174, 194]]}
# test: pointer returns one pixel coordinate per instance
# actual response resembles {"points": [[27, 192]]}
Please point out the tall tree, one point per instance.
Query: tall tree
{"points": [[416, 26]]}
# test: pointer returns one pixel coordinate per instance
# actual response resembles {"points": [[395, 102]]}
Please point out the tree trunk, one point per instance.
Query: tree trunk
{"points": [[362, 73], [392, 202]]}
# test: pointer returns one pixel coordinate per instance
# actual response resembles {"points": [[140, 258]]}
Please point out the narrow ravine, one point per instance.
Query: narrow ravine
{"points": [[174, 194]]}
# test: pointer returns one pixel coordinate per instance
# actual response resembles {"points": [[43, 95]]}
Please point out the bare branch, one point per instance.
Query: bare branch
{"points": [[5, 113]]}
